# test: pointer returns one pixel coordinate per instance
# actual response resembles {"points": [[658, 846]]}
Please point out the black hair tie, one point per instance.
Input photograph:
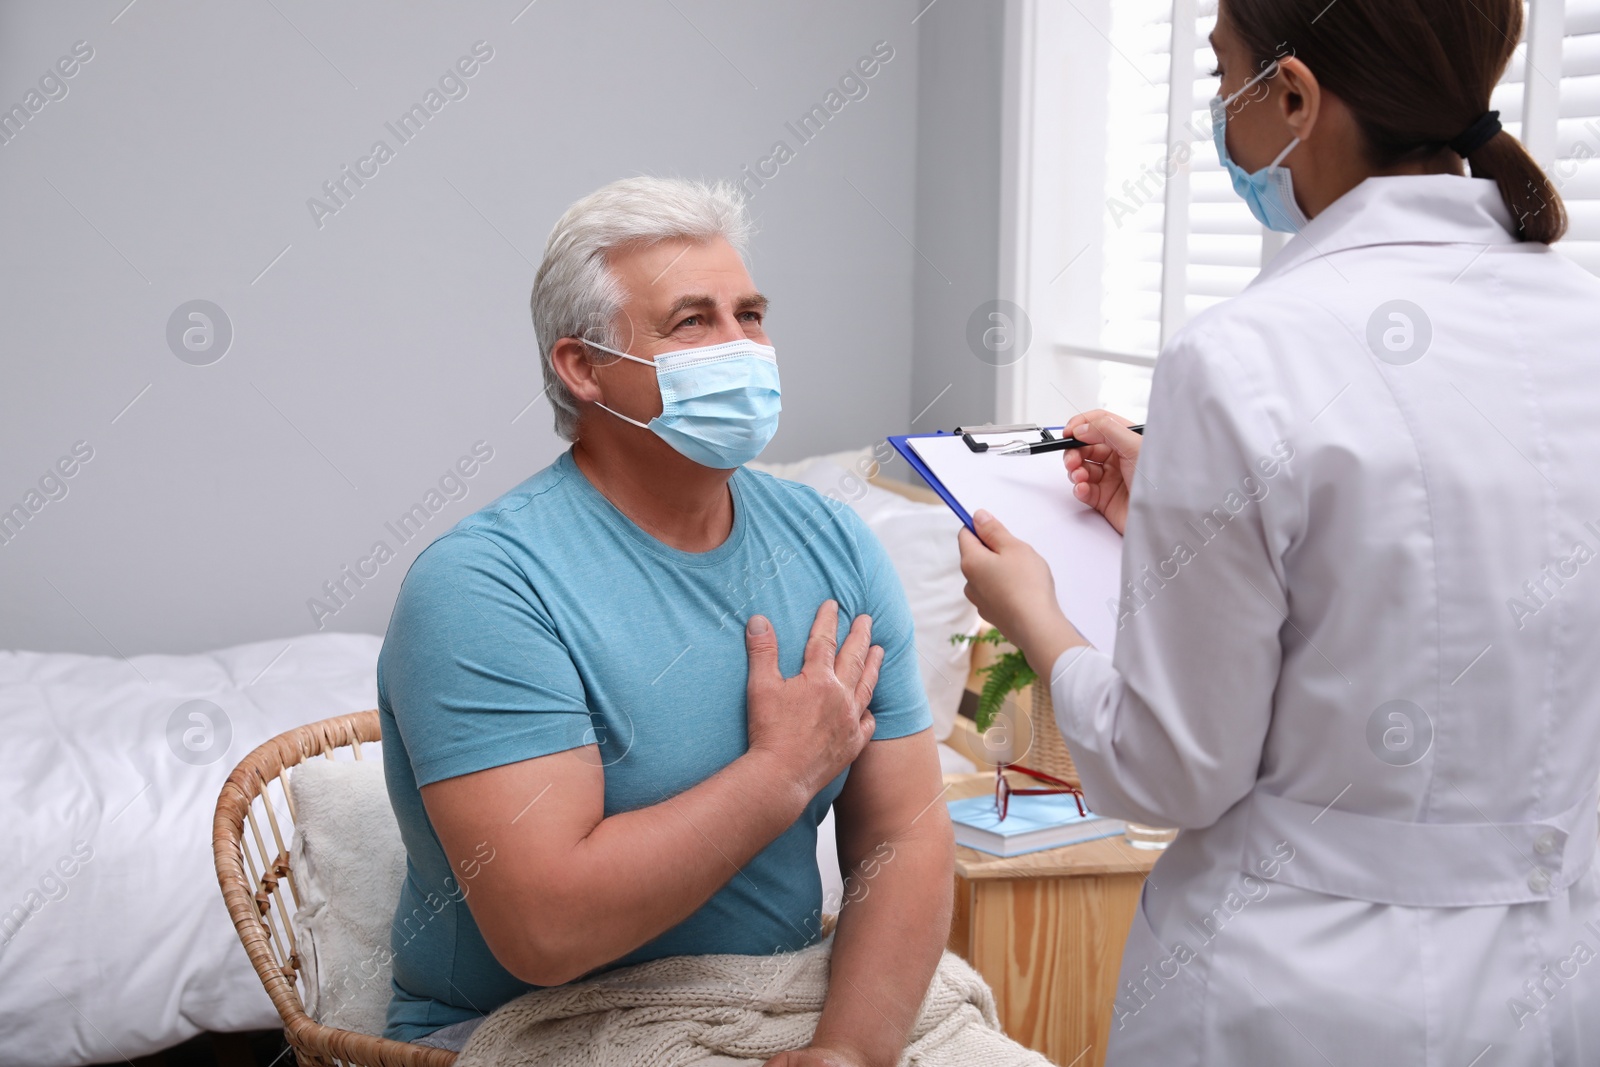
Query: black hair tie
{"points": [[1480, 133]]}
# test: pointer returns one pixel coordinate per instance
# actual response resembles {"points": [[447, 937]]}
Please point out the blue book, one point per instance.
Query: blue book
{"points": [[1032, 824]]}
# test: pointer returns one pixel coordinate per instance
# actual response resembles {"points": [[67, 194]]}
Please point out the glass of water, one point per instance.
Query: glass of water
{"points": [[1153, 838]]}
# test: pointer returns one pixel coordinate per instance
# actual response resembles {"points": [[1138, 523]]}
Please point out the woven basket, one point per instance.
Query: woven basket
{"points": [[250, 837], [1047, 750]]}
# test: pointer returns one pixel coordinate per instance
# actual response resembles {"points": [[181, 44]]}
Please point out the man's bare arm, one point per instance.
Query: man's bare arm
{"points": [[898, 855], [571, 890]]}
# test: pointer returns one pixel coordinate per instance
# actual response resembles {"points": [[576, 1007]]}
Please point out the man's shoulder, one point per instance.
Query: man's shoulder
{"points": [[821, 520], [469, 578], [487, 542], [517, 514], [535, 499], [796, 500]]}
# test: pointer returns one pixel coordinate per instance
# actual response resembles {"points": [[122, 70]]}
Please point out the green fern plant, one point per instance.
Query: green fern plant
{"points": [[1006, 675]]}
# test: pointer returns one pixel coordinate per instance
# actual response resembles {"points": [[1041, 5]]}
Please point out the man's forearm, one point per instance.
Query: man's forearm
{"points": [[891, 934], [640, 873]]}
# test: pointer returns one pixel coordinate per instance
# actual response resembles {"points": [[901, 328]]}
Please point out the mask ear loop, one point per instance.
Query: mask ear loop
{"points": [[624, 355], [614, 352], [1284, 154], [624, 418]]}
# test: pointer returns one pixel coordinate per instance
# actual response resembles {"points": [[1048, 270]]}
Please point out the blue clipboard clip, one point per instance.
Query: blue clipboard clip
{"points": [[902, 445]]}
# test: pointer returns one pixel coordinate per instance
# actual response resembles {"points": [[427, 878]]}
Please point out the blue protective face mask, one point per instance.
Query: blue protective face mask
{"points": [[719, 403], [1269, 192]]}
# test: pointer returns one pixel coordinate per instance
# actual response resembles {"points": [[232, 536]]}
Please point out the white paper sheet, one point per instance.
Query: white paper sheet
{"points": [[1033, 497]]}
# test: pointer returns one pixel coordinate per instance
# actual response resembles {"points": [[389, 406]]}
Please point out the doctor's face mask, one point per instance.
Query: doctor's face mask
{"points": [[1269, 192], [719, 403]]}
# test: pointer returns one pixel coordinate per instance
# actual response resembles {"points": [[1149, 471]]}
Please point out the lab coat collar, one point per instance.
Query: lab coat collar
{"points": [[1409, 209]]}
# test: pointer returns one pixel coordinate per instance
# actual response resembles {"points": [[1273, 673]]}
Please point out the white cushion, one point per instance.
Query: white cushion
{"points": [[349, 862], [953, 762], [859, 459]]}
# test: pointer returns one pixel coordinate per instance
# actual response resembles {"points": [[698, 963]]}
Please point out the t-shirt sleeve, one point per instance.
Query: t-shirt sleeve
{"points": [[899, 703], [472, 668]]}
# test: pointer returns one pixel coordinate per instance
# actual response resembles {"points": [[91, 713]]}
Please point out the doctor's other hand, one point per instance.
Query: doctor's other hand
{"points": [[1011, 586], [1102, 474], [817, 722]]}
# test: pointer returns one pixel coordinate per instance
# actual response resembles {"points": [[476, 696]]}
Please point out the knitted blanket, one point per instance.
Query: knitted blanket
{"points": [[727, 1011]]}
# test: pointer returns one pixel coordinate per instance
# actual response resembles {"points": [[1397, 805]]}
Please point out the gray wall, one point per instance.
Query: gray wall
{"points": [[374, 346], [958, 209]]}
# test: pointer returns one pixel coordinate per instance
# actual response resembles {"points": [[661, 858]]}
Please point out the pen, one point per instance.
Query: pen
{"points": [[1021, 448]]}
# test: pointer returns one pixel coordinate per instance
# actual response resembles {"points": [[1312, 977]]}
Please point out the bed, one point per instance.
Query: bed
{"points": [[114, 941]]}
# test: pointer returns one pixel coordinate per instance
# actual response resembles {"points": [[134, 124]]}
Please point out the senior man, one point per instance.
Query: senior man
{"points": [[615, 704]]}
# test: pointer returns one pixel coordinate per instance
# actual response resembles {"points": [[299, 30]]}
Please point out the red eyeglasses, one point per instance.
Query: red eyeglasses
{"points": [[1004, 791]]}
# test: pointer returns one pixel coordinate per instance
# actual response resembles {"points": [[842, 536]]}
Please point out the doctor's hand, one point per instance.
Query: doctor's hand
{"points": [[1011, 586], [817, 722], [1102, 474]]}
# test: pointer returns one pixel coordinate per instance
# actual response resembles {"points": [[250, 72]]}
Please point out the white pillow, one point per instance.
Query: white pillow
{"points": [[859, 459], [349, 863]]}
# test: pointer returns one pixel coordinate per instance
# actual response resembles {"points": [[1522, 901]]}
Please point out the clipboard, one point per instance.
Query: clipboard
{"points": [[902, 445], [1033, 497]]}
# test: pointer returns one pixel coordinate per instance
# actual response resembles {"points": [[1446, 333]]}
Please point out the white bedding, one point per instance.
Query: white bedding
{"points": [[133, 951]]}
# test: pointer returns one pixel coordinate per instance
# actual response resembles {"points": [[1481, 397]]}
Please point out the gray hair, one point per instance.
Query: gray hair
{"points": [[576, 295]]}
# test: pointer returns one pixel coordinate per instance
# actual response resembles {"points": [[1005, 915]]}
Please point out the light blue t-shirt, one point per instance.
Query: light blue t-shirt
{"points": [[548, 621]]}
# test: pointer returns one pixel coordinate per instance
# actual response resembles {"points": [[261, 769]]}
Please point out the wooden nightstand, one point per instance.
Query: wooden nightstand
{"points": [[1046, 931]]}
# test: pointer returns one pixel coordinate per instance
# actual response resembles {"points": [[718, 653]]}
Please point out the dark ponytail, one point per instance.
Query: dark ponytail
{"points": [[1417, 75], [1530, 195]]}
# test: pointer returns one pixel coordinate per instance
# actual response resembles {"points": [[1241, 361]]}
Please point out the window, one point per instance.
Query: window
{"points": [[1115, 250], [1562, 110]]}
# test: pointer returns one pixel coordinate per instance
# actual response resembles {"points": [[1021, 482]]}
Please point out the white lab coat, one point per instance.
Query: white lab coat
{"points": [[1315, 532]]}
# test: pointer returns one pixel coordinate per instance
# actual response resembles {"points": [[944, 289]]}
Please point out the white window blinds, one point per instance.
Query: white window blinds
{"points": [[1576, 148], [1136, 136], [1174, 245], [1178, 239]]}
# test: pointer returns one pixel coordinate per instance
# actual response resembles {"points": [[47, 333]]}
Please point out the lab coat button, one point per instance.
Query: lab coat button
{"points": [[1539, 881], [1545, 843]]}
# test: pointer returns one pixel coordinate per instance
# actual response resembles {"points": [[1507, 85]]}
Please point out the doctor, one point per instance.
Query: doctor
{"points": [[1358, 656]]}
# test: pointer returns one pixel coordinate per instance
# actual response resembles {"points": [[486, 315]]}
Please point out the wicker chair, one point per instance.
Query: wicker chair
{"points": [[254, 872]]}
